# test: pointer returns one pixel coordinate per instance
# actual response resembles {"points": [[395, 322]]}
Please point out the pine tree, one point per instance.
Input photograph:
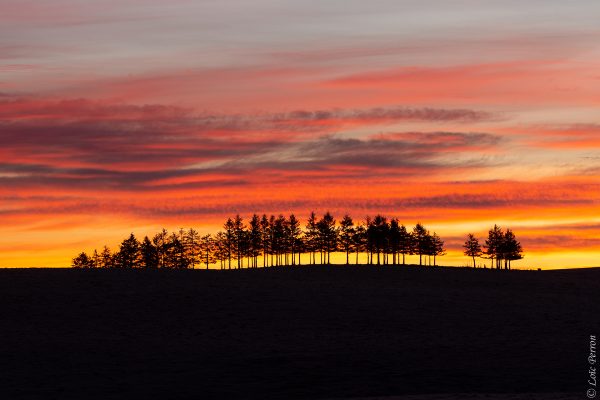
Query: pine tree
{"points": [[229, 240], [377, 235], [294, 232], [513, 249], [404, 243], [207, 250], [191, 242], [255, 241], [472, 248], [160, 241], [394, 238], [420, 237], [328, 235], [359, 240], [148, 254], [438, 247], [347, 232], [82, 261], [493, 245], [311, 236], [129, 253], [265, 238], [106, 258]]}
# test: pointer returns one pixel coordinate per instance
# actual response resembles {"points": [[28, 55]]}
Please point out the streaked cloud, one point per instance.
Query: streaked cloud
{"points": [[123, 115]]}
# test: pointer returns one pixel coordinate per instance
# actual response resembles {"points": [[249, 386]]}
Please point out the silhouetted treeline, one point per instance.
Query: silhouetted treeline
{"points": [[500, 246], [271, 241]]}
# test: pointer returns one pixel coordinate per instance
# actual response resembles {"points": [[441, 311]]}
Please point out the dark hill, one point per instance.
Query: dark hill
{"points": [[289, 333]]}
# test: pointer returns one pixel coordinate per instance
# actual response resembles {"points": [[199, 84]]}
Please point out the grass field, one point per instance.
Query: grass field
{"points": [[319, 332]]}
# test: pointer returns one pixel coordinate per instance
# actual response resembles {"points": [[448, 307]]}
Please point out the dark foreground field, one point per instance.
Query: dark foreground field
{"points": [[320, 332]]}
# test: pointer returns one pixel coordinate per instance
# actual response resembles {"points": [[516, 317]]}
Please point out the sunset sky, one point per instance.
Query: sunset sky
{"points": [[127, 116]]}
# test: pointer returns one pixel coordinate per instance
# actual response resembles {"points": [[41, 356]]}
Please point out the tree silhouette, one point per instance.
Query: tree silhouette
{"points": [[404, 243], [175, 255], [229, 240], [294, 235], [472, 248], [221, 249], [128, 256], [239, 238], [493, 245], [281, 241], [106, 258], [359, 240], [207, 250], [347, 232], [377, 235], [512, 249], [148, 254], [160, 242], [437, 248], [311, 236], [278, 238], [265, 238], [327, 236], [82, 261], [191, 243], [394, 238], [420, 237], [95, 259]]}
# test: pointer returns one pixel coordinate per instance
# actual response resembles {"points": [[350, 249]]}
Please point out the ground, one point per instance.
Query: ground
{"points": [[324, 332]]}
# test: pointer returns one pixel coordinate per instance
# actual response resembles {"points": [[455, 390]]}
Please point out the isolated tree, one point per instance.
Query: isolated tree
{"points": [[347, 232], [472, 248]]}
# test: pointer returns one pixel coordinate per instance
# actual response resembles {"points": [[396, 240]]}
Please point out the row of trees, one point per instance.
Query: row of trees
{"points": [[281, 241], [276, 241], [500, 246]]}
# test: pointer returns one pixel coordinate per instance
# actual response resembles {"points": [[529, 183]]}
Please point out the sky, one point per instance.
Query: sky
{"points": [[129, 116]]}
